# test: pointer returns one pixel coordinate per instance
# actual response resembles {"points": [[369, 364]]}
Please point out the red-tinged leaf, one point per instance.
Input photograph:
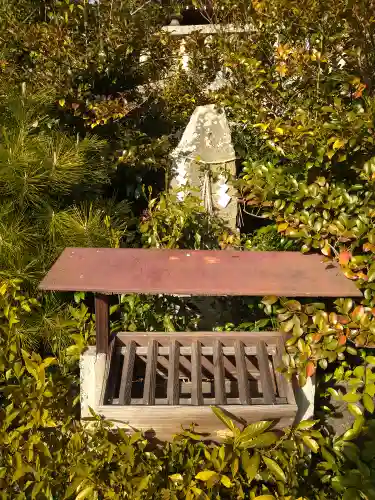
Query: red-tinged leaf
{"points": [[316, 337], [368, 247], [344, 257], [360, 88], [350, 275], [362, 276], [357, 313], [342, 339], [343, 320], [310, 369]]}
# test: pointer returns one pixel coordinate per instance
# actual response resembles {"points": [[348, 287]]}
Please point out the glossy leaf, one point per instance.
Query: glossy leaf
{"points": [[224, 418], [206, 475], [250, 464], [263, 441], [368, 403], [275, 469], [311, 443]]}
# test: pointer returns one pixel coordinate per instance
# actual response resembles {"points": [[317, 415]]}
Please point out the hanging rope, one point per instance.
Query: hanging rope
{"points": [[207, 193]]}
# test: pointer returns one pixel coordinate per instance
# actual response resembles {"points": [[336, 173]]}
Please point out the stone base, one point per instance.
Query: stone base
{"points": [[92, 367], [305, 397]]}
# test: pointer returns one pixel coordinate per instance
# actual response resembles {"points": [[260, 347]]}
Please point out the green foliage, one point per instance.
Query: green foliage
{"points": [[168, 223], [300, 96], [39, 164], [44, 175], [46, 453], [268, 239]]}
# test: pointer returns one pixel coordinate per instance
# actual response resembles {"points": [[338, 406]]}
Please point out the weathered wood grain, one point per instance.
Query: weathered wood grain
{"points": [[127, 374], [242, 374], [265, 374], [196, 374], [150, 376], [173, 387]]}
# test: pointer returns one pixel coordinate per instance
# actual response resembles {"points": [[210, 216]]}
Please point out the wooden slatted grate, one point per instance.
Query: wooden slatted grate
{"points": [[198, 369]]}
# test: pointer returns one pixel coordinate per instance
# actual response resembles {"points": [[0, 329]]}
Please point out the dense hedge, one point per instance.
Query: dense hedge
{"points": [[300, 99]]}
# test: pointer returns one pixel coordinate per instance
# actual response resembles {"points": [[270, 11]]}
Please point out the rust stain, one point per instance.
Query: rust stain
{"points": [[212, 260]]}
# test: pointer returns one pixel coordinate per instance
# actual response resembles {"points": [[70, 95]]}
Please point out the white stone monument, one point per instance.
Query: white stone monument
{"points": [[205, 159]]}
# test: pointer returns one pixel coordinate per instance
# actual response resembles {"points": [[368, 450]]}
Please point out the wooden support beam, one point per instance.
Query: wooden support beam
{"points": [[219, 380], [127, 374], [265, 374], [150, 377], [242, 374], [196, 373], [109, 376], [173, 384], [102, 322]]}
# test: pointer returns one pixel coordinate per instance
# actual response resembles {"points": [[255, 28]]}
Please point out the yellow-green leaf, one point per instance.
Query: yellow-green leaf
{"points": [[85, 493], [282, 227], [234, 466], [250, 464], [370, 390], [269, 300], [311, 443], [354, 410], [226, 420], [206, 475], [263, 441], [306, 424], [36, 489], [339, 143], [255, 429], [176, 477], [351, 398], [275, 469], [144, 483], [368, 403], [226, 481]]}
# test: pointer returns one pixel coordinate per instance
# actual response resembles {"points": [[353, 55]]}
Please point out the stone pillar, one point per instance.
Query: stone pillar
{"points": [[205, 159], [92, 368]]}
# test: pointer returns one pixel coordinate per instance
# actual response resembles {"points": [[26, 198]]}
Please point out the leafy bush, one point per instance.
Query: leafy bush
{"points": [[47, 453], [300, 97]]}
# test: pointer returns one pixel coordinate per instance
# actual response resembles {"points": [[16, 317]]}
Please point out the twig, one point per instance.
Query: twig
{"points": [[140, 8]]}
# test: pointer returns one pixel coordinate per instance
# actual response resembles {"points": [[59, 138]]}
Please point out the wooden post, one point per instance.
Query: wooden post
{"points": [[102, 322]]}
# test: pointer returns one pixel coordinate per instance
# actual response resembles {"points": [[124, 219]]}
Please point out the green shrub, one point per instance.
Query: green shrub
{"points": [[46, 453]]}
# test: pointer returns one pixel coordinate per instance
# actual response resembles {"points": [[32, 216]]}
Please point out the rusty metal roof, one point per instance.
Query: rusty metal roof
{"points": [[197, 272]]}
